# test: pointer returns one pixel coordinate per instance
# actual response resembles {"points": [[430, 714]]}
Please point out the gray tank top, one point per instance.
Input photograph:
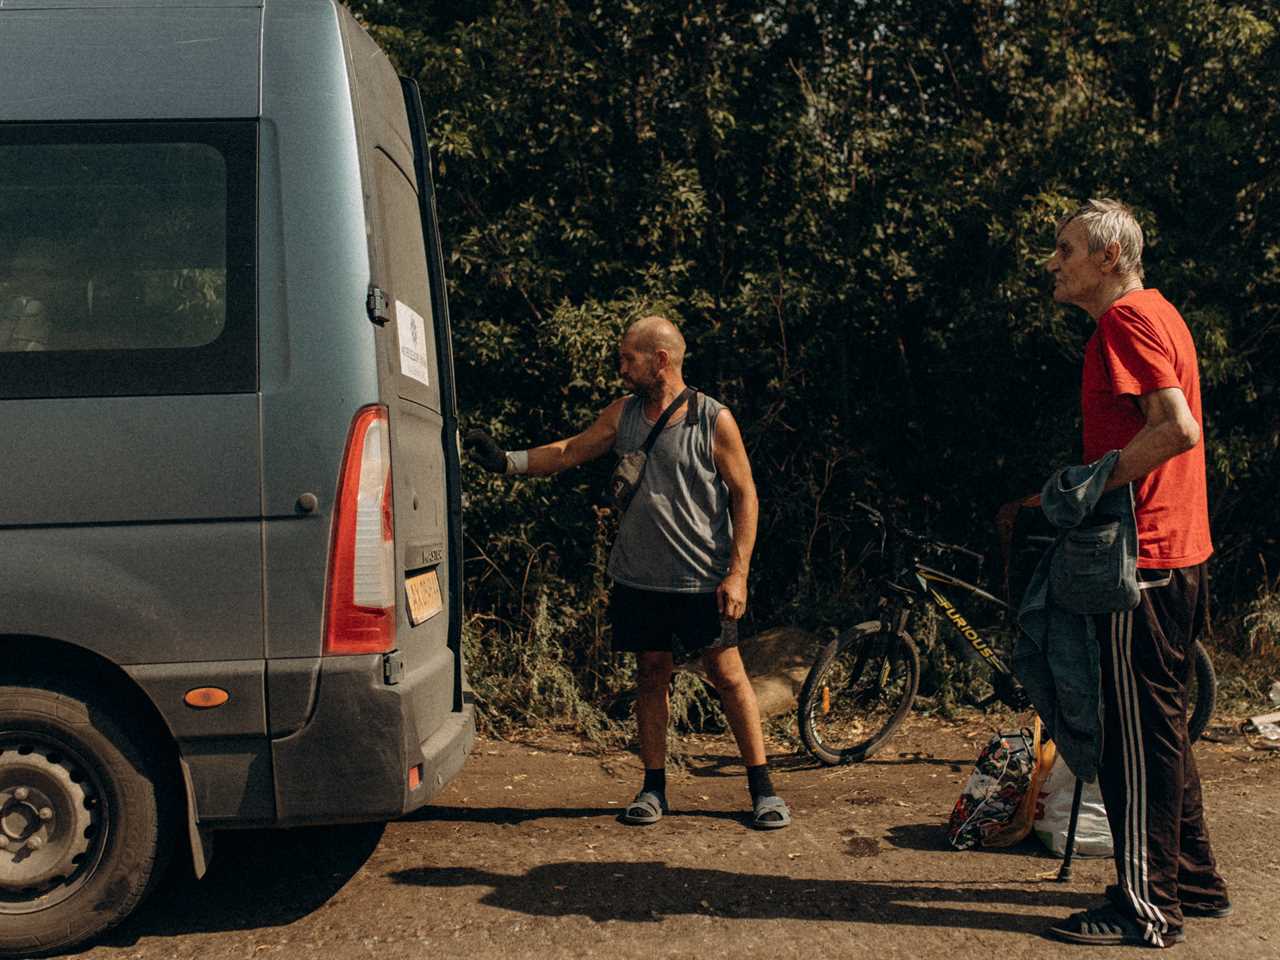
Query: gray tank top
{"points": [[677, 535]]}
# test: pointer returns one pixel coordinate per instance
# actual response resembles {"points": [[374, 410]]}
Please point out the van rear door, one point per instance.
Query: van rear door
{"points": [[415, 383]]}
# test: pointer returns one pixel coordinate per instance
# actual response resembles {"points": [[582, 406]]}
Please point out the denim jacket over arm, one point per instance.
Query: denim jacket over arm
{"points": [[1091, 568]]}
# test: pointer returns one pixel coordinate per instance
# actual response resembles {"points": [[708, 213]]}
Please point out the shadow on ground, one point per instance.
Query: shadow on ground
{"points": [[933, 836], [724, 765], [517, 815], [258, 878], [961, 765], [647, 892], [505, 814]]}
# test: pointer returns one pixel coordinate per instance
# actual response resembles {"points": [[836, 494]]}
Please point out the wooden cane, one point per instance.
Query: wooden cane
{"points": [[1064, 872]]}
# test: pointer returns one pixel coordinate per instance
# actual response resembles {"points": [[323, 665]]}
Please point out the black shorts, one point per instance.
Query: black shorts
{"points": [[686, 624]]}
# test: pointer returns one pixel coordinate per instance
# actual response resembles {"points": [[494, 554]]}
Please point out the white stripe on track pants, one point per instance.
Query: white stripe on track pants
{"points": [[1148, 774]]}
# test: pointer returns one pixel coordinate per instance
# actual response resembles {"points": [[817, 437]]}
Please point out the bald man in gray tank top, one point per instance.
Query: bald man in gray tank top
{"points": [[681, 557]]}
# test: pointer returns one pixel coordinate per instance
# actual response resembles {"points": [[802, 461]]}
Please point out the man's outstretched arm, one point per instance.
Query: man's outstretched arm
{"points": [[550, 458]]}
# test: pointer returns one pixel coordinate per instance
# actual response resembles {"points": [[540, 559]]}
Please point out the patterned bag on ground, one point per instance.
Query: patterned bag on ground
{"points": [[1019, 828], [1053, 814], [997, 788]]}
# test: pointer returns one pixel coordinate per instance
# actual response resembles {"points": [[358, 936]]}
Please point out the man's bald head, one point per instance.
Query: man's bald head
{"points": [[651, 334]]}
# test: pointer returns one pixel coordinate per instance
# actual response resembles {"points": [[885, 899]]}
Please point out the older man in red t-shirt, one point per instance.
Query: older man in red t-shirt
{"points": [[1140, 394]]}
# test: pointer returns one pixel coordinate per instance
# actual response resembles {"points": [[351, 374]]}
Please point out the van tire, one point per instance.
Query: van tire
{"points": [[87, 824]]}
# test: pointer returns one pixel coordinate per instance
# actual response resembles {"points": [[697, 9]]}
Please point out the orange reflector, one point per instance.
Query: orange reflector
{"points": [[415, 776], [826, 700], [206, 698]]}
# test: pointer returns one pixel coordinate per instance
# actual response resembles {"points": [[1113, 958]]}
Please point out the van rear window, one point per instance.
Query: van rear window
{"points": [[127, 262]]}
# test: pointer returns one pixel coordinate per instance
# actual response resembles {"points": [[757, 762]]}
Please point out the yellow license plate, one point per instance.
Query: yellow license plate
{"points": [[424, 597]]}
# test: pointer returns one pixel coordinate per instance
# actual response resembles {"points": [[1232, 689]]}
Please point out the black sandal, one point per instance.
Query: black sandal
{"points": [[1105, 926]]}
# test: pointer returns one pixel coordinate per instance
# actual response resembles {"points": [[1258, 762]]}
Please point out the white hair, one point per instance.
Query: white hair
{"points": [[1108, 221]]}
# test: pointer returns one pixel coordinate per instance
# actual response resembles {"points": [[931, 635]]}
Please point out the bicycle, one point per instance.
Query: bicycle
{"points": [[864, 681]]}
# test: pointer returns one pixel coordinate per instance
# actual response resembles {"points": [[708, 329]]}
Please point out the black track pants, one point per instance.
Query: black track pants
{"points": [[1148, 775]]}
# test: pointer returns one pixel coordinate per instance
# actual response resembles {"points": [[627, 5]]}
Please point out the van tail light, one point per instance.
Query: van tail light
{"points": [[360, 607]]}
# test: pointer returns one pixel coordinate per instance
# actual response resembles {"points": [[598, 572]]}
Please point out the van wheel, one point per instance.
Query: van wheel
{"points": [[81, 821]]}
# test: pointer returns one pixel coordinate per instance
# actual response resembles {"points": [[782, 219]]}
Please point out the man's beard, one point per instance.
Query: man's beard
{"points": [[649, 389]]}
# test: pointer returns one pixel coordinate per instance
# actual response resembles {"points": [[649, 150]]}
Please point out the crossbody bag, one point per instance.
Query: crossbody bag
{"points": [[626, 476]]}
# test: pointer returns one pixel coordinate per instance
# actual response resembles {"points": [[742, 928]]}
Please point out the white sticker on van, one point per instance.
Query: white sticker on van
{"points": [[413, 343]]}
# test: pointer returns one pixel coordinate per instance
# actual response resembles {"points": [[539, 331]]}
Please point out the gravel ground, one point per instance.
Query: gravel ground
{"points": [[523, 856]]}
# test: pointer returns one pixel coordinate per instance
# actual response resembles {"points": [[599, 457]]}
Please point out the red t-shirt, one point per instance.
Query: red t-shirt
{"points": [[1141, 345]]}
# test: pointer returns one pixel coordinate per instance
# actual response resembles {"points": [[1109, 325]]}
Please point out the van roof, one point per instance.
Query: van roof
{"points": [[136, 59], [119, 4]]}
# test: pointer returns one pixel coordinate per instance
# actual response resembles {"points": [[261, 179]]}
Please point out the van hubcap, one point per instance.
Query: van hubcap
{"points": [[47, 820]]}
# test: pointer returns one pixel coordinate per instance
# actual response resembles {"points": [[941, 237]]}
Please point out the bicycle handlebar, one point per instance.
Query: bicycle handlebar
{"points": [[956, 548], [878, 519]]}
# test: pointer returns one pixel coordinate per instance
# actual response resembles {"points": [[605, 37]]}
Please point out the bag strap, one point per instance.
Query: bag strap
{"points": [[662, 420]]}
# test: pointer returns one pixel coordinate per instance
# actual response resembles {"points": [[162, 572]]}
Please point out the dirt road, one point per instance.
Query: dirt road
{"points": [[522, 856]]}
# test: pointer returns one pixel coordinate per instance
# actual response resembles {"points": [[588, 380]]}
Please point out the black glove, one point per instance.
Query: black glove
{"points": [[484, 450]]}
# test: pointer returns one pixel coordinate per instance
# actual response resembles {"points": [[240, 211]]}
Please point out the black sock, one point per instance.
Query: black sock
{"points": [[655, 781], [758, 782]]}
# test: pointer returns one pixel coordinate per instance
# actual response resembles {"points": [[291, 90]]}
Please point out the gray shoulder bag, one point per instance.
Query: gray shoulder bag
{"points": [[626, 476]]}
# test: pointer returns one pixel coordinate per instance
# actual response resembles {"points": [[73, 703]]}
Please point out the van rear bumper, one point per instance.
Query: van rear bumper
{"points": [[443, 754], [351, 760]]}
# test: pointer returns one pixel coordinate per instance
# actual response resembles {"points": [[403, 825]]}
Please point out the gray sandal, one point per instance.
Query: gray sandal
{"points": [[645, 809], [770, 813]]}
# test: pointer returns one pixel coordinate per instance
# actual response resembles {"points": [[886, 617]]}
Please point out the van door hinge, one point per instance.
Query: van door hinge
{"points": [[392, 667], [378, 305]]}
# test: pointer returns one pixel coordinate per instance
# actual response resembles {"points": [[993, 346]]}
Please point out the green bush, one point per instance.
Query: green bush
{"points": [[847, 207]]}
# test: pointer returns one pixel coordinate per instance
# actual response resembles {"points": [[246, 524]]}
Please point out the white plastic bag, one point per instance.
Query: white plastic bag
{"points": [[1053, 814]]}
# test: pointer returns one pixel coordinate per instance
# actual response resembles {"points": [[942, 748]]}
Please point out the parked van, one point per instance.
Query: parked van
{"points": [[230, 523]]}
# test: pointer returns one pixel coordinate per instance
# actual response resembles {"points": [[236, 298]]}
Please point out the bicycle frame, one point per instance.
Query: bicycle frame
{"points": [[864, 680], [927, 576], [897, 600]]}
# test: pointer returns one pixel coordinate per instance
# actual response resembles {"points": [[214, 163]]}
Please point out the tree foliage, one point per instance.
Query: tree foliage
{"points": [[847, 206]]}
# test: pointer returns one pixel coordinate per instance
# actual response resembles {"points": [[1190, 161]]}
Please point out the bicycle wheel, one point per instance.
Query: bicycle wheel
{"points": [[1201, 693], [857, 693]]}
